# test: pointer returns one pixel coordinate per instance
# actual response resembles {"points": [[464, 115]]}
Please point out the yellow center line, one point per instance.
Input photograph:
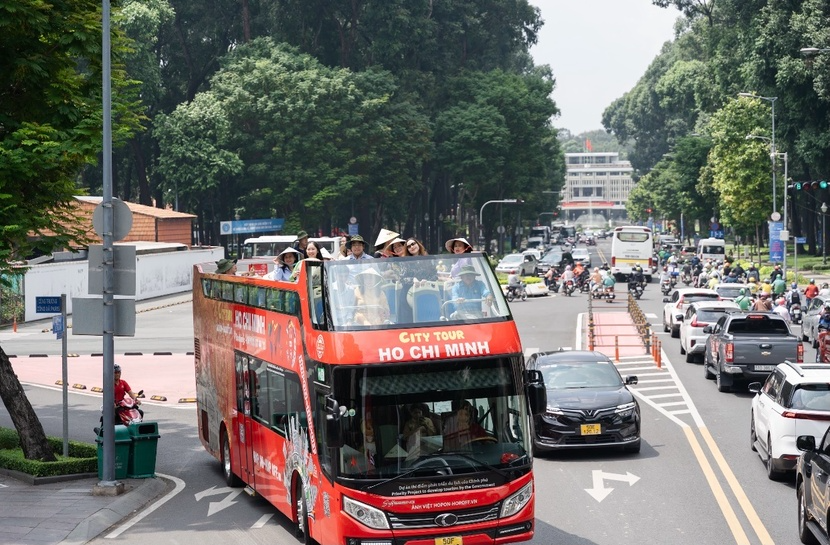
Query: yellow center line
{"points": [[744, 502], [720, 496]]}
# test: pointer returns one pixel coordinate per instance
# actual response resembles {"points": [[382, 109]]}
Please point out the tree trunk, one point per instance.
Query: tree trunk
{"points": [[29, 429]]}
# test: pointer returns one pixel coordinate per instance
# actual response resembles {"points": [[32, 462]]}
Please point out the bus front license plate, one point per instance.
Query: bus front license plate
{"points": [[590, 429], [452, 540]]}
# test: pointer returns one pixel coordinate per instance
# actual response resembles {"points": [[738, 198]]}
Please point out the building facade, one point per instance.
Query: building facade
{"points": [[596, 189]]}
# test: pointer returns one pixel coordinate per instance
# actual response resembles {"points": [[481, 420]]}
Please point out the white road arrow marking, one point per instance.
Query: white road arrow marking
{"points": [[599, 492], [216, 506]]}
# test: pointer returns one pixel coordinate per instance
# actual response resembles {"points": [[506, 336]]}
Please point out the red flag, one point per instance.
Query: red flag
{"points": [[588, 145]]}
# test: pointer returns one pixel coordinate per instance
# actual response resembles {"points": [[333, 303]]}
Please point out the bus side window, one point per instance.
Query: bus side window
{"points": [[279, 412]]}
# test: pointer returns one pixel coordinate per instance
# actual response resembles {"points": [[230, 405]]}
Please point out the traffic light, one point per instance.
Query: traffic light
{"points": [[809, 186]]}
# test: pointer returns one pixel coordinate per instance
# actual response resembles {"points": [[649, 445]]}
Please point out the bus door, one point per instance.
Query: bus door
{"points": [[244, 446]]}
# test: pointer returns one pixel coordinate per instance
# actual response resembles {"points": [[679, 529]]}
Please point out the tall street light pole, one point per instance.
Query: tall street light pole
{"points": [[771, 100], [823, 242], [481, 217]]}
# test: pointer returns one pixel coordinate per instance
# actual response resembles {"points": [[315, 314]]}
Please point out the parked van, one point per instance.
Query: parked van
{"points": [[711, 249]]}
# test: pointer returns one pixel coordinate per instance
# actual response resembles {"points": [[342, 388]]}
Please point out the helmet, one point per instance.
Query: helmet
{"points": [[116, 368], [781, 301], [812, 281], [763, 295], [794, 286], [742, 291]]}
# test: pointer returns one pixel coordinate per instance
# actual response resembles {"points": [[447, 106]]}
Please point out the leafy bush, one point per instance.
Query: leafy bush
{"points": [[83, 457]]}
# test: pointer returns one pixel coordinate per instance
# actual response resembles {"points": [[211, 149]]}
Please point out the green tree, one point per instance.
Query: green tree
{"points": [[50, 127]]}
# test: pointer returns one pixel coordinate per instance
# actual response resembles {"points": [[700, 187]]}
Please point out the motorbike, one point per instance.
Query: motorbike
{"points": [[608, 294], [517, 292], [795, 313], [686, 278], [665, 287], [568, 288], [635, 289], [126, 412]]}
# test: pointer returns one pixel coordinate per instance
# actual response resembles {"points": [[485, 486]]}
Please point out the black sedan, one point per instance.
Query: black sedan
{"points": [[589, 404]]}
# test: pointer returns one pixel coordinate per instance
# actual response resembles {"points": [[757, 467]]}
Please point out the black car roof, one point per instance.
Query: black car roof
{"points": [[551, 356]]}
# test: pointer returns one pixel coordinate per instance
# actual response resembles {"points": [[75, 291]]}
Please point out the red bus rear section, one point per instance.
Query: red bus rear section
{"points": [[372, 401]]}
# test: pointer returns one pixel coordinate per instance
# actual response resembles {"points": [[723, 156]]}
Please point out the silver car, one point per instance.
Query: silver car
{"points": [[521, 264]]}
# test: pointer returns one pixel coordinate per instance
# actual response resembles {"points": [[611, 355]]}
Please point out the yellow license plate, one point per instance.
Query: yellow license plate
{"points": [[452, 540], [590, 429]]}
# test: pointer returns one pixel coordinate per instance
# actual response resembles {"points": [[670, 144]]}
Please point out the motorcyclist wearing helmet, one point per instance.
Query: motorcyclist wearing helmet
{"points": [[824, 290], [637, 275], [824, 319], [793, 297], [567, 276], [763, 302], [743, 300], [781, 309], [810, 291], [121, 387]]}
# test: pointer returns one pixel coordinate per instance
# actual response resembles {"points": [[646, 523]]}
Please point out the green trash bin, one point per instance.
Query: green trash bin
{"points": [[143, 442], [122, 452]]}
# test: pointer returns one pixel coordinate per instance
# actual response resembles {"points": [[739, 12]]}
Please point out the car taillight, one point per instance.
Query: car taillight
{"points": [[613, 261], [806, 416], [695, 323], [730, 352], [799, 357]]}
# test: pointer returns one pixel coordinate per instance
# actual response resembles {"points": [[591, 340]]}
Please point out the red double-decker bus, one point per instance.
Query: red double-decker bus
{"points": [[372, 401]]}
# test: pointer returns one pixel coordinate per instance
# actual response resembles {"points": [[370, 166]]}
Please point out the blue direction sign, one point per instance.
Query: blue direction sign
{"points": [[801, 240], [251, 226], [47, 304]]}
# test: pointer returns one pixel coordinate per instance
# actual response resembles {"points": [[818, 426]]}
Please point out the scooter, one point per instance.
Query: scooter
{"points": [[514, 292], [126, 412], [635, 289], [686, 278], [609, 294], [665, 287], [568, 288], [795, 313]]}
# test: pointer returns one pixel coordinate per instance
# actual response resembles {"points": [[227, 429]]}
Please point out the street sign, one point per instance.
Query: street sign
{"points": [[47, 304], [251, 226], [776, 245], [88, 315], [57, 326], [801, 240], [123, 269], [122, 219]]}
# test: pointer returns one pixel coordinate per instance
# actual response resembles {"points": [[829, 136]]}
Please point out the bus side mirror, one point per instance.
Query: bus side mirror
{"points": [[334, 432], [537, 396]]}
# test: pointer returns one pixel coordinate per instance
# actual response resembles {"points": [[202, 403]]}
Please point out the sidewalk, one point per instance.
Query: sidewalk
{"points": [[66, 512]]}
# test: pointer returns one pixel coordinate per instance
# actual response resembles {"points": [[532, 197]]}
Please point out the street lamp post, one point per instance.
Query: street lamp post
{"points": [[771, 100], [481, 217], [786, 226], [823, 242]]}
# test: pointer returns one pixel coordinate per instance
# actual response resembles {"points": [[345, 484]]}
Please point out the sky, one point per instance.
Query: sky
{"points": [[598, 49]]}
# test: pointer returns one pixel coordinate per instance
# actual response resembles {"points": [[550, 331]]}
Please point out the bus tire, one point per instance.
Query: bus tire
{"points": [[227, 471], [301, 513]]}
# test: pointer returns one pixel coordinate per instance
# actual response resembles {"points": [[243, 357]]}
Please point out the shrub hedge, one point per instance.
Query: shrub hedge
{"points": [[83, 457]]}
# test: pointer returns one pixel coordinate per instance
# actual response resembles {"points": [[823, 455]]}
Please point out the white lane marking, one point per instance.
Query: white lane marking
{"points": [[671, 403], [650, 388], [656, 381], [139, 517], [598, 476], [650, 315], [660, 396], [262, 520]]}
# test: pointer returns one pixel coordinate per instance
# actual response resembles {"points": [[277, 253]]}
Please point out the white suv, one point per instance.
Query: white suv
{"points": [[676, 305], [698, 316], [794, 400]]}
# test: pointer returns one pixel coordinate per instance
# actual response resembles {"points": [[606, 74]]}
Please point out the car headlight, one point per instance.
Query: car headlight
{"points": [[626, 409], [514, 503], [554, 410], [365, 514]]}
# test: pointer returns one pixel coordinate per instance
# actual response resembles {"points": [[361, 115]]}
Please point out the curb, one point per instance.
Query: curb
{"points": [[118, 510]]}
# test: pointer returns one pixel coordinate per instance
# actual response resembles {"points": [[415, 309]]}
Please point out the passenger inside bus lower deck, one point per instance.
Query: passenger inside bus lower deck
{"points": [[467, 415]]}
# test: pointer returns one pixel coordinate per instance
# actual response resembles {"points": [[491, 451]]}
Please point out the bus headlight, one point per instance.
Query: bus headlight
{"points": [[514, 503], [365, 514]]}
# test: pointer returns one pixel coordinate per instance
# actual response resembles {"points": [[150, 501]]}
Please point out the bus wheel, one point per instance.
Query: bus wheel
{"points": [[230, 478], [301, 512]]}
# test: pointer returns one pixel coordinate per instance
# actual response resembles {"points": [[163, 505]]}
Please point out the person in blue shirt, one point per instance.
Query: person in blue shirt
{"points": [[357, 246], [469, 292], [284, 265]]}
